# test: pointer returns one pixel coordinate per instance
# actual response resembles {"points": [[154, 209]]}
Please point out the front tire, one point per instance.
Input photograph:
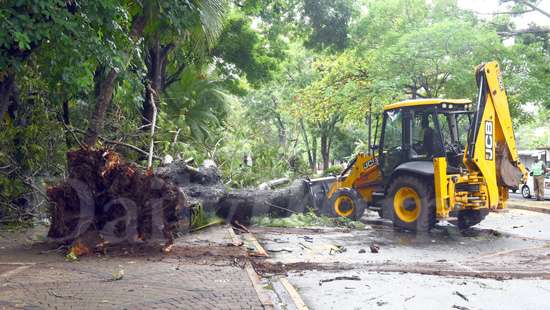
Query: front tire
{"points": [[346, 203], [410, 203], [525, 192]]}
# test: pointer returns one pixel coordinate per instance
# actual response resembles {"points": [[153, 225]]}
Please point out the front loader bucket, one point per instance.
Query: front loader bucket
{"points": [[318, 190]]}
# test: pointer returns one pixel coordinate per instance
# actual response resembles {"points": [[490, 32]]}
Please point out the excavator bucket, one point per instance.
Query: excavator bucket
{"points": [[318, 192]]}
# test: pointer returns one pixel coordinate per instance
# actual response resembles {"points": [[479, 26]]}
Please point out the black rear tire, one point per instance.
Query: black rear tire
{"points": [[346, 203], [414, 207]]}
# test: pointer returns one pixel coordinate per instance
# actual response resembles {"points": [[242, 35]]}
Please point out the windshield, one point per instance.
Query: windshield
{"points": [[454, 128]]}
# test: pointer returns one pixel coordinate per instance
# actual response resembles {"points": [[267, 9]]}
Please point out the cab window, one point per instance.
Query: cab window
{"points": [[425, 138], [393, 134]]}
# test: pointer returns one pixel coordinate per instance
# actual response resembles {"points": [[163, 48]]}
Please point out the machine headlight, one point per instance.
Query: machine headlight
{"points": [[444, 106], [450, 106]]}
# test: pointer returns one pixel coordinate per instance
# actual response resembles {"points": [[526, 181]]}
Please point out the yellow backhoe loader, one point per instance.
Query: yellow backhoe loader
{"points": [[434, 159]]}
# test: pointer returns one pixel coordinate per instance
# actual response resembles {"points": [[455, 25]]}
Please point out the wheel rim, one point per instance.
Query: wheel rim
{"points": [[525, 191], [344, 206], [406, 204]]}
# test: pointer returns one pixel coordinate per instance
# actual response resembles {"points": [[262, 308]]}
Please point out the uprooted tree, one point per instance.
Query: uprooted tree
{"points": [[105, 200]]}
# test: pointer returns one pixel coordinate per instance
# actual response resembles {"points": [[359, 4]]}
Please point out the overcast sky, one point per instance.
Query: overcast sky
{"points": [[491, 6]]}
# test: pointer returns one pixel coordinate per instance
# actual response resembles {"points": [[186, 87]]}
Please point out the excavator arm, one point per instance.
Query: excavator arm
{"points": [[491, 152]]}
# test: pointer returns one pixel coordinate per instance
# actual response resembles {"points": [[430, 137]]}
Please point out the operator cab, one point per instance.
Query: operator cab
{"points": [[415, 131]]}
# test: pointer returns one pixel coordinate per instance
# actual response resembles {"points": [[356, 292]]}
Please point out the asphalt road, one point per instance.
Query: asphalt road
{"points": [[503, 263]]}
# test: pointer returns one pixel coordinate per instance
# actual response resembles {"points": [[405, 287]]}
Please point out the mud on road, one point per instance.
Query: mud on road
{"points": [[504, 262]]}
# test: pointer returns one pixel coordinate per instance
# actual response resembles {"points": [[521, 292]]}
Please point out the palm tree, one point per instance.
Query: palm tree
{"points": [[190, 28], [198, 101]]}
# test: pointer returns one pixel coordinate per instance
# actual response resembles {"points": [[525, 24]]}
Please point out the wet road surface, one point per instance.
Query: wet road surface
{"points": [[502, 263]]}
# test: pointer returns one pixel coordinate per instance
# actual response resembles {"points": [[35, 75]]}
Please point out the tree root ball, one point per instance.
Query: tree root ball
{"points": [[105, 197]]}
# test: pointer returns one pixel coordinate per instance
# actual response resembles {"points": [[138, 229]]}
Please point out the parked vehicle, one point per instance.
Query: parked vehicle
{"points": [[528, 189]]}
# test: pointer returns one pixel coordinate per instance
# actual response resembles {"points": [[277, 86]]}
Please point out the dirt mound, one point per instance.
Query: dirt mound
{"points": [[106, 200]]}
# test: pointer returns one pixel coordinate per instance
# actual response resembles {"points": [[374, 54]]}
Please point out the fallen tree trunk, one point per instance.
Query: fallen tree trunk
{"points": [[203, 187]]}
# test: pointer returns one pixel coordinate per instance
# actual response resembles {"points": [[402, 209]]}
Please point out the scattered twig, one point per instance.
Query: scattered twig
{"points": [[280, 250], [352, 278], [38, 190], [279, 207], [153, 123], [72, 134], [241, 226], [108, 141], [337, 249], [217, 222], [409, 298], [459, 294], [460, 307]]}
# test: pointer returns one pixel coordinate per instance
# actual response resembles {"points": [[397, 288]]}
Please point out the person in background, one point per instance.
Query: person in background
{"points": [[538, 169]]}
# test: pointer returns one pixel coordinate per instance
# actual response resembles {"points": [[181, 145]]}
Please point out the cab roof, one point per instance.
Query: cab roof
{"points": [[420, 102]]}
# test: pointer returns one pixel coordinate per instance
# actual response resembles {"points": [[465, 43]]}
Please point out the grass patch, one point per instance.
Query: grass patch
{"points": [[308, 219], [201, 219]]}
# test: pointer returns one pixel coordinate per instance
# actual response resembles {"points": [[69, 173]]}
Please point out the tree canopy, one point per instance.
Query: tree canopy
{"points": [[264, 88]]}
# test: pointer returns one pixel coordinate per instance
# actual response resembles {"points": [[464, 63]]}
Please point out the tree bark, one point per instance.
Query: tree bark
{"points": [[65, 117], [308, 148], [104, 91], [103, 100], [7, 86], [325, 149], [203, 187], [279, 124], [314, 152], [156, 70]]}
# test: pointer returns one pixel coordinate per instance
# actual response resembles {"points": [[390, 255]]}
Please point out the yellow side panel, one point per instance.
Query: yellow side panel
{"points": [[364, 177]]}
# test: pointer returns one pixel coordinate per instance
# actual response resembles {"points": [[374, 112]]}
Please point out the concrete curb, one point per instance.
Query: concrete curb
{"points": [[264, 298], [529, 208], [294, 295]]}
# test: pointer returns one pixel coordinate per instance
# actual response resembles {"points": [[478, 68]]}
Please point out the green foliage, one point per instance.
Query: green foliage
{"points": [[201, 219], [308, 219], [340, 88], [28, 149], [285, 83], [334, 170], [242, 46], [197, 104], [328, 22]]}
